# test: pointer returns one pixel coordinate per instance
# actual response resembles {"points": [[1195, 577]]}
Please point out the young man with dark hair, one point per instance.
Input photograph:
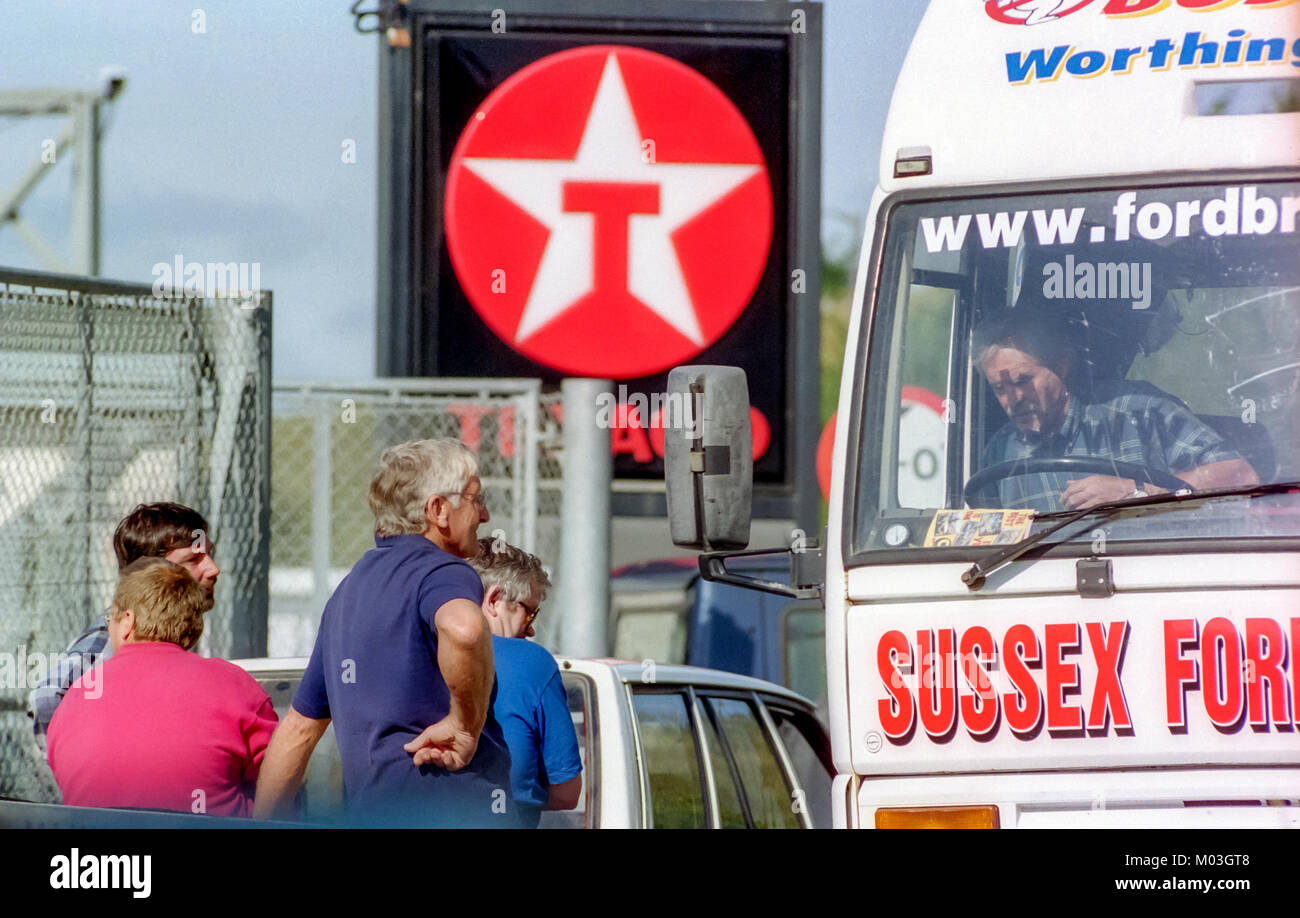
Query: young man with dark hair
{"points": [[163, 530]]}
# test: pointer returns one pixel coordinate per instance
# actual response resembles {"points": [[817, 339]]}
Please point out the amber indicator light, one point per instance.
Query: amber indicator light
{"points": [[937, 817]]}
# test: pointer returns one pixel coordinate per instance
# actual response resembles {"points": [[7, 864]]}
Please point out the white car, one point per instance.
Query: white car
{"points": [[662, 746]]}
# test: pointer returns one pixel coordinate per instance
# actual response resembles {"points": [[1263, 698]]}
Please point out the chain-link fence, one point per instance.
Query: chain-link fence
{"points": [[326, 439], [550, 476], [110, 397]]}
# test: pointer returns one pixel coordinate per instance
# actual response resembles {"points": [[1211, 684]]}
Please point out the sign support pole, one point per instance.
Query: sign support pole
{"points": [[582, 581]]}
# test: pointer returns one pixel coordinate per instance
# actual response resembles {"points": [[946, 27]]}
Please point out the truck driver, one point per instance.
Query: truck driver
{"points": [[1053, 412]]}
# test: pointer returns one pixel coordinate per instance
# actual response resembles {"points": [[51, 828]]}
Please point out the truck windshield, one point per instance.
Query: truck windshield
{"points": [[1045, 352]]}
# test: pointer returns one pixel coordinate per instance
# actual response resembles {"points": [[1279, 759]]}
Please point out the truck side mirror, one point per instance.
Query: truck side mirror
{"points": [[709, 458]]}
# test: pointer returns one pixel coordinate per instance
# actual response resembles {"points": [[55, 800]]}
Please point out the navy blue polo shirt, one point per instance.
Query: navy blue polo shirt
{"points": [[374, 671]]}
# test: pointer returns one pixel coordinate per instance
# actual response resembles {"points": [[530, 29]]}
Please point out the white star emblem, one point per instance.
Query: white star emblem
{"points": [[611, 151]]}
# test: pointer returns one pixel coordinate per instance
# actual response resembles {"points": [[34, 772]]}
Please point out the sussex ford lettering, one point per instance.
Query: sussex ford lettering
{"points": [[1068, 679]]}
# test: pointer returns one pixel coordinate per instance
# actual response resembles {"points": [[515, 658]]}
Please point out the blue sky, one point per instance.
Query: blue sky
{"points": [[227, 146]]}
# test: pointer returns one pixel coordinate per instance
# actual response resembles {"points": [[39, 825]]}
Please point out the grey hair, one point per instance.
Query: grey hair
{"points": [[1044, 336], [513, 569], [409, 474]]}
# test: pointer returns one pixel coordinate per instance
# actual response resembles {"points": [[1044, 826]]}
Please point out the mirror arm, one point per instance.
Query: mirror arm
{"points": [[713, 567]]}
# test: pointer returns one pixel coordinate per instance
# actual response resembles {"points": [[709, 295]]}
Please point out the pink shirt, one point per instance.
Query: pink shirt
{"points": [[156, 726]]}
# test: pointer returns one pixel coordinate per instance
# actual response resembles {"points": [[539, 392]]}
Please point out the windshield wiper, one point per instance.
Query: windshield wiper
{"points": [[978, 572]]}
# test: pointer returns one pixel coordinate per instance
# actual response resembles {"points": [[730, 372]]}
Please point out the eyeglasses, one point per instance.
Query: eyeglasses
{"points": [[478, 500], [532, 612]]}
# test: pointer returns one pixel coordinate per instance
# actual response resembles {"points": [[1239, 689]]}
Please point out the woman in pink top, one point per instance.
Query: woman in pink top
{"points": [[155, 726]]}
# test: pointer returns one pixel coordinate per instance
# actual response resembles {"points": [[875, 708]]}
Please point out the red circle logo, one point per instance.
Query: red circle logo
{"points": [[1031, 12], [608, 212]]}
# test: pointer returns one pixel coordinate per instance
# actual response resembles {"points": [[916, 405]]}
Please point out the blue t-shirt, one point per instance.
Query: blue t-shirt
{"points": [[374, 671], [533, 710]]}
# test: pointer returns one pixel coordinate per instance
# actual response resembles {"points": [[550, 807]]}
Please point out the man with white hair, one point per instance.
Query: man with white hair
{"points": [[403, 661], [531, 704]]}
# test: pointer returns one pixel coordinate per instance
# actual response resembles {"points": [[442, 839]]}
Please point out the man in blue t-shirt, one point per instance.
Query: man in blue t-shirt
{"points": [[403, 661], [530, 705]]}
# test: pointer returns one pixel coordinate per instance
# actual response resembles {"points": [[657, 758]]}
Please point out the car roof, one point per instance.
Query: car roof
{"points": [[272, 664], [629, 672]]}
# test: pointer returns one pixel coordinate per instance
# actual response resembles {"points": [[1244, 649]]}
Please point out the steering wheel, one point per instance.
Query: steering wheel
{"points": [[1090, 465]]}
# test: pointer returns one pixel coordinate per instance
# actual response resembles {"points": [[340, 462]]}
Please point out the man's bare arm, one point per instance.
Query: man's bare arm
{"points": [[285, 763], [1098, 489], [1230, 473], [564, 796], [466, 663], [465, 660]]}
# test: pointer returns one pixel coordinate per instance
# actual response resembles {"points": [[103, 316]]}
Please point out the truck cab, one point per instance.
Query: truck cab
{"points": [[1084, 246]]}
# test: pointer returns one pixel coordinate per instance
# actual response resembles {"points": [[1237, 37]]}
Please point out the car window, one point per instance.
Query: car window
{"points": [[805, 744], [671, 761], [579, 692], [645, 631], [771, 804], [803, 640], [726, 779], [320, 799]]}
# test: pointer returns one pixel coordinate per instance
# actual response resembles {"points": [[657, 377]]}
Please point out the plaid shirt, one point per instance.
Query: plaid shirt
{"points": [[1126, 422], [91, 647]]}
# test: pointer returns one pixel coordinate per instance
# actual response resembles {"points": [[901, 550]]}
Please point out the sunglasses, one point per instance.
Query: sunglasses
{"points": [[532, 612]]}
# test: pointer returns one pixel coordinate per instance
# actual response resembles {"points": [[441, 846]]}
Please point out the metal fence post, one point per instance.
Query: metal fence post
{"points": [[85, 186], [321, 509], [527, 445], [582, 586]]}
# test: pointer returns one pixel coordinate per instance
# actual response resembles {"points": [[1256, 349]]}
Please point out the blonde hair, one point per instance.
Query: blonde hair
{"points": [[409, 474], [168, 603]]}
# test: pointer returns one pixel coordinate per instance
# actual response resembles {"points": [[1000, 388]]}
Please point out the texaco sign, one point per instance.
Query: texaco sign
{"points": [[608, 212]]}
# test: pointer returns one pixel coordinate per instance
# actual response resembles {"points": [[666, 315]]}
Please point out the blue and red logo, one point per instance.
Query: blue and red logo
{"points": [[1032, 12], [1037, 12]]}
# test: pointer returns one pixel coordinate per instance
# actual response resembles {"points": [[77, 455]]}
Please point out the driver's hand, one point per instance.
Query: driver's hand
{"points": [[1096, 489]]}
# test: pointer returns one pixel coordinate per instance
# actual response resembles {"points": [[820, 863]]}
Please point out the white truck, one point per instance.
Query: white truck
{"points": [[1084, 245]]}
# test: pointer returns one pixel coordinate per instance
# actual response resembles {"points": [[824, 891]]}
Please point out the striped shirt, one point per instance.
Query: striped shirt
{"points": [[92, 646], [1127, 421]]}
